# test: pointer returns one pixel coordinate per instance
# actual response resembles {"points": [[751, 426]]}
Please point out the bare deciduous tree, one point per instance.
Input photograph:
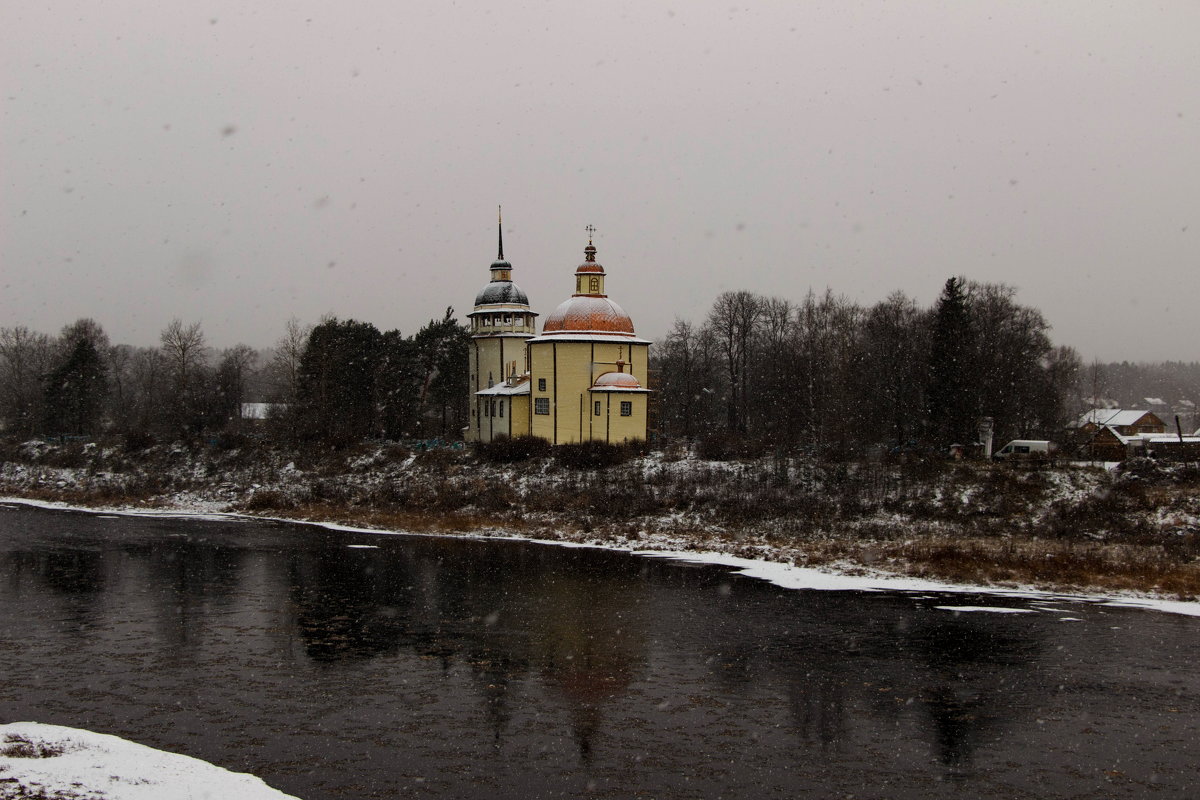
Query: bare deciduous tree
{"points": [[186, 354], [25, 357], [285, 360]]}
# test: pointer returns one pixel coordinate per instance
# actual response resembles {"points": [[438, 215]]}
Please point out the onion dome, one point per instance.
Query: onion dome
{"points": [[617, 382], [589, 310], [501, 290], [588, 314]]}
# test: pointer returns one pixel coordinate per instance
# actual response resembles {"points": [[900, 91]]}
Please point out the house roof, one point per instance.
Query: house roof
{"points": [[1111, 416], [1122, 438]]}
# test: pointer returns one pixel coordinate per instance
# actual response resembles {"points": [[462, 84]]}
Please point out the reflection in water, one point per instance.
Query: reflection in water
{"points": [[499, 614], [483, 669]]}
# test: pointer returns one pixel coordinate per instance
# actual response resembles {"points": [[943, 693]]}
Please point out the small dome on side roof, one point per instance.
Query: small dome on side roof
{"points": [[617, 381]]}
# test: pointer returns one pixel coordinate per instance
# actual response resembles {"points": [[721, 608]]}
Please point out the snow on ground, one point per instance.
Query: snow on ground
{"points": [[60, 763], [791, 577], [851, 577]]}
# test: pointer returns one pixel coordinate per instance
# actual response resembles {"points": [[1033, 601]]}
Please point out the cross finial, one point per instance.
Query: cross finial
{"points": [[590, 230], [500, 232]]}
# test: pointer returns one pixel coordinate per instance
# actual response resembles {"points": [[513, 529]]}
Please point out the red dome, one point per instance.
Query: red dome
{"points": [[589, 267], [588, 314]]}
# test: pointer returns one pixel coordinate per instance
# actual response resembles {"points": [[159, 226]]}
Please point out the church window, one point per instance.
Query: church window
{"points": [[626, 408], [593, 285], [541, 405], [541, 384], [508, 319], [597, 404]]}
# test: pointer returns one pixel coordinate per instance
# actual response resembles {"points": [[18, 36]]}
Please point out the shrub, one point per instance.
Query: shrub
{"points": [[507, 451], [725, 446], [268, 500], [592, 455], [137, 441]]}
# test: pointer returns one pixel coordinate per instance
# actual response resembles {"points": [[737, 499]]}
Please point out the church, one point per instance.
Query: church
{"points": [[582, 379]]}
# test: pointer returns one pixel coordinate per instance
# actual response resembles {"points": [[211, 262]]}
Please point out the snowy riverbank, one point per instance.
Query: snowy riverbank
{"points": [[1073, 528], [51, 762], [843, 576]]}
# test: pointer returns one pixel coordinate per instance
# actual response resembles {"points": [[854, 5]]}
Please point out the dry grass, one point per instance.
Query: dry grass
{"points": [[17, 746]]}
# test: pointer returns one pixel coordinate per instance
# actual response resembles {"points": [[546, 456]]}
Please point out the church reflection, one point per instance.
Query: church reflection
{"points": [[585, 642], [584, 624], [503, 616]]}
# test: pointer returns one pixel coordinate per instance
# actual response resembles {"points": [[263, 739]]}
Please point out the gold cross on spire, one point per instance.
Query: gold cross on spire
{"points": [[590, 230]]}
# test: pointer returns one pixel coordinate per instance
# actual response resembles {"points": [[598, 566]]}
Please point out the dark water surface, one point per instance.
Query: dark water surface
{"points": [[434, 667]]}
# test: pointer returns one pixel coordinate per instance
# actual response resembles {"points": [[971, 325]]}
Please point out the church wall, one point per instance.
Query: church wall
{"points": [[489, 356], [570, 369], [610, 426], [519, 419]]}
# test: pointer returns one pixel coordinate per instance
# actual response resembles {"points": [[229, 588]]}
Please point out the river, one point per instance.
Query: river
{"points": [[351, 665]]}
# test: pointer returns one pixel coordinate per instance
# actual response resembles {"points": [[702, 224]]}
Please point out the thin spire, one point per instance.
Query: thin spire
{"points": [[500, 231]]}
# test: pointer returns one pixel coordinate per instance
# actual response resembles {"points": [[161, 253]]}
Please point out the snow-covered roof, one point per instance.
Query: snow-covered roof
{"points": [[504, 389], [261, 410], [1122, 438], [1111, 416], [1170, 438]]}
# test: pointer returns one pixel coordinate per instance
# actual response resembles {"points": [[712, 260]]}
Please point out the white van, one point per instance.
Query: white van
{"points": [[1026, 448]]}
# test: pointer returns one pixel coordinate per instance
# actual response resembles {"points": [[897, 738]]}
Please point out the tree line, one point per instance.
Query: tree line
{"points": [[822, 375], [827, 376], [335, 382]]}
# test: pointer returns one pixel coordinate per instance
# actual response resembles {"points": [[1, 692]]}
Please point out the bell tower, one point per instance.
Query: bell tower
{"points": [[501, 322]]}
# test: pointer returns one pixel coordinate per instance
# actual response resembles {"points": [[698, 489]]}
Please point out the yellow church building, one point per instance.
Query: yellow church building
{"points": [[582, 379]]}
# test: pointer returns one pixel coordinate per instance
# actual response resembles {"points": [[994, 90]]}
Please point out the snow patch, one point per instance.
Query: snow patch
{"points": [[57, 761]]}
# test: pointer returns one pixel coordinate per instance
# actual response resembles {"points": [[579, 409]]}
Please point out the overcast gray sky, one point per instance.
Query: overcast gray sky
{"points": [[240, 163]]}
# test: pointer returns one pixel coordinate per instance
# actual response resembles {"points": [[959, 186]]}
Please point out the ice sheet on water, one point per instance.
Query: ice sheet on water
{"points": [[992, 609]]}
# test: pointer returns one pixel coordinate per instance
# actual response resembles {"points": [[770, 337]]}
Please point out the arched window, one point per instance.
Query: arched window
{"points": [[594, 285]]}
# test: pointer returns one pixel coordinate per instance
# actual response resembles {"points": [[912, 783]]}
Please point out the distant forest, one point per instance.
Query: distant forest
{"points": [[822, 375], [830, 376], [334, 383]]}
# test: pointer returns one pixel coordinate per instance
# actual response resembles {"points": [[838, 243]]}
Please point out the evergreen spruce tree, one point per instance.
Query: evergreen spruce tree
{"points": [[951, 396], [337, 382], [76, 390]]}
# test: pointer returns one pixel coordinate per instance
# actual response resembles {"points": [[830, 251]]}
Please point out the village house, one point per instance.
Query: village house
{"points": [[1122, 421]]}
